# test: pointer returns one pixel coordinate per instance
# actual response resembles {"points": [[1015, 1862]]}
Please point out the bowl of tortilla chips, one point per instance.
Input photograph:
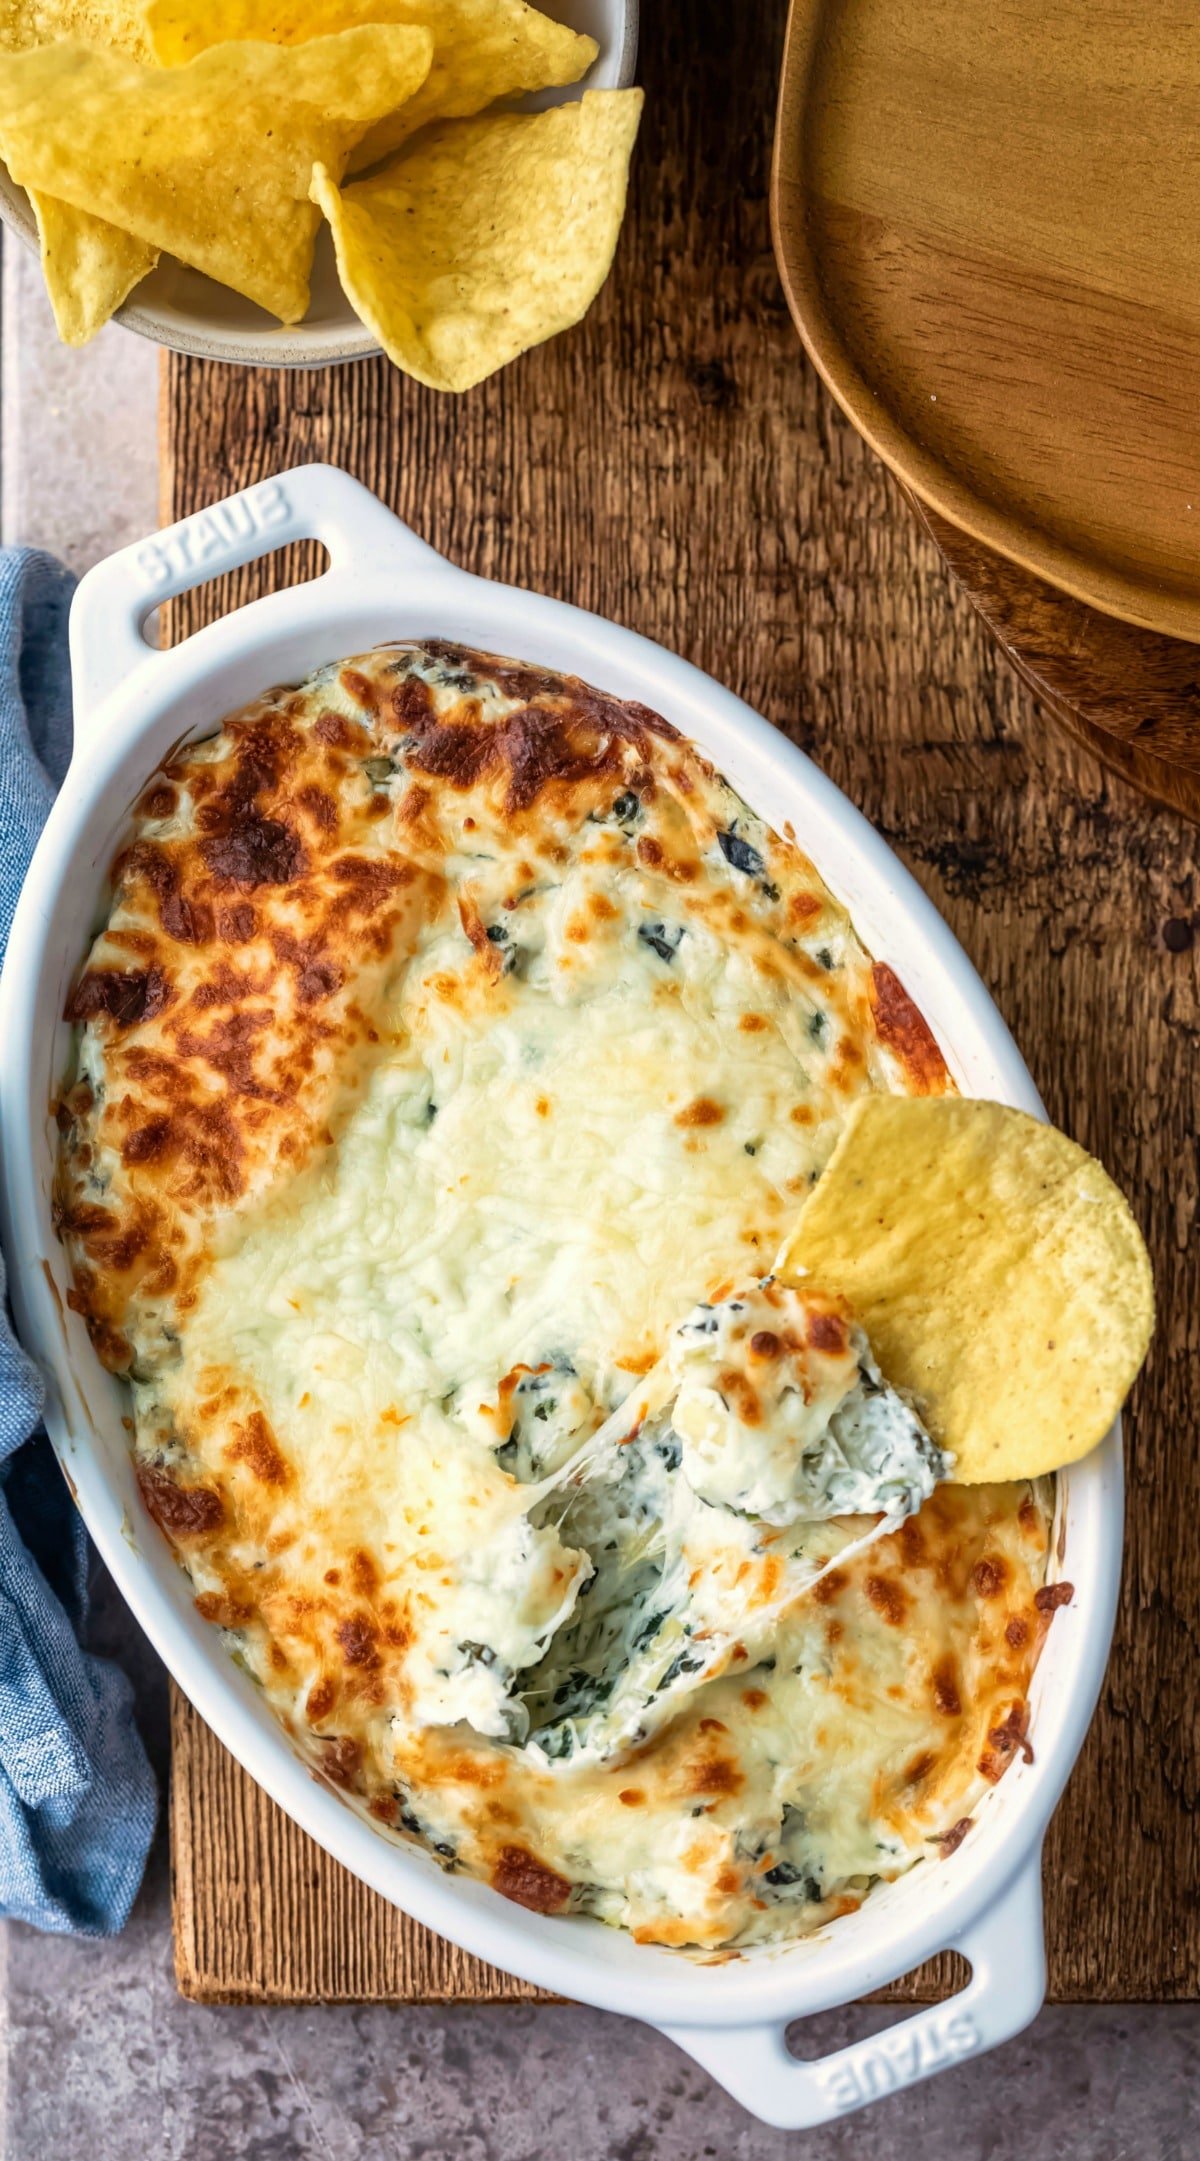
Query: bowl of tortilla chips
{"points": [[289, 183]]}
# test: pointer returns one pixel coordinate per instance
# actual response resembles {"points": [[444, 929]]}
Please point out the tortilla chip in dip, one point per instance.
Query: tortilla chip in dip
{"points": [[211, 161], [484, 237], [997, 1270]]}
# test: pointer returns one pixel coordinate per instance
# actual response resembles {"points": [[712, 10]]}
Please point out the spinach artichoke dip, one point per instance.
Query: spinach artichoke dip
{"points": [[455, 1056]]}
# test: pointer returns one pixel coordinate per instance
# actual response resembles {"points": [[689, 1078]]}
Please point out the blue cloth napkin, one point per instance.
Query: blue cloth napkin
{"points": [[77, 1798]]}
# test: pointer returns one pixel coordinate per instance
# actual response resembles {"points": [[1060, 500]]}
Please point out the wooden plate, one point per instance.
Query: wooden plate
{"points": [[987, 218]]}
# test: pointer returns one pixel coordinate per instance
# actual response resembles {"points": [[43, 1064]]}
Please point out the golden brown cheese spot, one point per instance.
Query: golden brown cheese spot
{"points": [[520, 1876], [125, 998], [888, 1599], [363, 1574], [342, 1758], [1012, 1733], [255, 1445], [321, 1699], [917, 1771], [222, 1610], [828, 1332], [255, 851], [572, 735], [830, 1587], [717, 1775], [989, 1576], [905, 1032], [951, 1840], [946, 1696], [911, 1541], [159, 801], [1050, 1596], [738, 1390], [803, 907], [361, 688], [359, 1640], [182, 1511], [487, 953], [702, 1112], [1004, 1741]]}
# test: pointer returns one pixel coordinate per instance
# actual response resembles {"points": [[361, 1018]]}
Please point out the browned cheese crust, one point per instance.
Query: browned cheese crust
{"points": [[321, 902]]}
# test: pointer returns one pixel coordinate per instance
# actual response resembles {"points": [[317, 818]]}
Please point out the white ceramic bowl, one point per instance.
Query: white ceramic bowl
{"points": [[133, 705], [190, 313]]}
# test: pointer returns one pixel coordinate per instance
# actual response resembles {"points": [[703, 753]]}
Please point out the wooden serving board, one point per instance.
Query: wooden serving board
{"points": [[676, 464], [988, 220]]}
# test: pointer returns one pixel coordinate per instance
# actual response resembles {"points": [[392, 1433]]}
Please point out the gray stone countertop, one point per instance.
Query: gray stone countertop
{"points": [[101, 2057]]}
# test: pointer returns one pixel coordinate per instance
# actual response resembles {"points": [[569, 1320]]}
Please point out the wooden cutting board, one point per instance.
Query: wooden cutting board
{"points": [[676, 464], [988, 219]]}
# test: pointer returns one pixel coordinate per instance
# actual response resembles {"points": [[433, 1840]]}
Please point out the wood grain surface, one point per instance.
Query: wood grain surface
{"points": [[989, 218], [676, 464], [1131, 696]]}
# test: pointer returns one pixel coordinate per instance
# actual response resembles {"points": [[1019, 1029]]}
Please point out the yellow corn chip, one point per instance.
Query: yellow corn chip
{"points": [[482, 49], [485, 236], [211, 161], [107, 23], [997, 1270], [89, 266], [176, 30]]}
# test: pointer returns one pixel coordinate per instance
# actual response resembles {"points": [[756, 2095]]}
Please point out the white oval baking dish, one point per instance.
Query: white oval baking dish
{"points": [[132, 705]]}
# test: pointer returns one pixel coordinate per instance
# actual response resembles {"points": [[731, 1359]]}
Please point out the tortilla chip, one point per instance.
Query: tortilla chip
{"points": [[211, 161], [90, 267], [176, 30], [485, 236], [996, 1269], [482, 49], [108, 23]]}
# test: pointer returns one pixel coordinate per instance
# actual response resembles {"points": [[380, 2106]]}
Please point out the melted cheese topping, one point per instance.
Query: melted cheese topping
{"points": [[453, 1031]]}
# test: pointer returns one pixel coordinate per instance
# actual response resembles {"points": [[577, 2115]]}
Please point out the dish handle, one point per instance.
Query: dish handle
{"points": [[1007, 1986], [311, 502]]}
